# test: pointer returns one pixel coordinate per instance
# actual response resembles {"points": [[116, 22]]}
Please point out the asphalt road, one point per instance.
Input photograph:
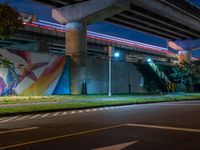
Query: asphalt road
{"points": [[165, 126]]}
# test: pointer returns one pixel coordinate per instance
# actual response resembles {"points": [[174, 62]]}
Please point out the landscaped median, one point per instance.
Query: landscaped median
{"points": [[11, 105]]}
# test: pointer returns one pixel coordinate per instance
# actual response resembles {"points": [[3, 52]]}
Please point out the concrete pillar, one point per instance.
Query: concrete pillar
{"points": [[185, 55], [75, 37], [74, 16]]}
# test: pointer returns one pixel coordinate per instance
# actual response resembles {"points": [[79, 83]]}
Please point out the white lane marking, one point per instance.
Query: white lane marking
{"points": [[4, 118], [21, 118], [64, 113], [72, 112], [165, 128], [55, 114], [19, 130], [35, 116], [9, 119], [45, 115], [117, 146]]}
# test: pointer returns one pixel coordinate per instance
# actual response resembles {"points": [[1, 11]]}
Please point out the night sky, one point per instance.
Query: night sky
{"points": [[44, 12]]}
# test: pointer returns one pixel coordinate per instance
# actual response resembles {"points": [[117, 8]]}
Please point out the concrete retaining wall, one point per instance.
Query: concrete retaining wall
{"points": [[123, 74]]}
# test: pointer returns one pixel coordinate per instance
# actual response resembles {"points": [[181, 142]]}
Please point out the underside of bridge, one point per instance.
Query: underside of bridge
{"points": [[141, 18], [173, 20]]}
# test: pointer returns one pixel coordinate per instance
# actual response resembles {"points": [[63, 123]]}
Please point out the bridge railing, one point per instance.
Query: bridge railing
{"points": [[58, 30]]}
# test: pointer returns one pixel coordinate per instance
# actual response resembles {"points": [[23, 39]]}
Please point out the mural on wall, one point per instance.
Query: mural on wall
{"points": [[34, 74]]}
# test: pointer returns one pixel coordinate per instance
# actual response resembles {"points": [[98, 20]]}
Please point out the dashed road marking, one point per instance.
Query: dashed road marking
{"points": [[72, 112], [21, 118], [54, 114], [4, 118], [35, 116], [45, 115], [12, 118], [64, 113]]}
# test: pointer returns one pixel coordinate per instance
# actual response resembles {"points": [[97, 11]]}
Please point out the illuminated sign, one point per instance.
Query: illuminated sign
{"points": [[28, 17]]}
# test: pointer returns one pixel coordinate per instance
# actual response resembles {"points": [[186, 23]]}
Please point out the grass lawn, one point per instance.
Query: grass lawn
{"points": [[35, 99], [78, 102]]}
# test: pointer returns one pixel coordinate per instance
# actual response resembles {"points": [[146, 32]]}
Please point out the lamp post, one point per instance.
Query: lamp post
{"points": [[110, 50], [111, 53]]}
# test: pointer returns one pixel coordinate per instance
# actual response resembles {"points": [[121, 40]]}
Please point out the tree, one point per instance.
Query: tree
{"points": [[186, 75], [10, 21]]}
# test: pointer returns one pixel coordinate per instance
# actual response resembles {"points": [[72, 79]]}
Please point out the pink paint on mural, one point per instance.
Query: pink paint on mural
{"points": [[30, 74]]}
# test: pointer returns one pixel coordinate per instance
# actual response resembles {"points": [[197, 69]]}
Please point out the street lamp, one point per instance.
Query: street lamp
{"points": [[149, 60], [111, 53], [116, 54]]}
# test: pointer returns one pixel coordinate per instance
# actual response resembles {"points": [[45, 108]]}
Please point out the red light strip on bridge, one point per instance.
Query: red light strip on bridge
{"points": [[102, 37]]}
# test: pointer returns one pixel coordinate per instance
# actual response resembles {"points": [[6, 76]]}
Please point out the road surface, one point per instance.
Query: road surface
{"points": [[165, 126]]}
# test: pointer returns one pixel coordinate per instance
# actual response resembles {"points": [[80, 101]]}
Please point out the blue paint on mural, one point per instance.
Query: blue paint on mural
{"points": [[63, 85]]}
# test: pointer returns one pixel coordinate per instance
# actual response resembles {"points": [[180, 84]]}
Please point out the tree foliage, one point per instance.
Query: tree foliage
{"points": [[186, 74], [10, 21]]}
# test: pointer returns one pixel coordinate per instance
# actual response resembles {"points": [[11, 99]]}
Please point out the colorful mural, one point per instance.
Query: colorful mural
{"points": [[34, 74]]}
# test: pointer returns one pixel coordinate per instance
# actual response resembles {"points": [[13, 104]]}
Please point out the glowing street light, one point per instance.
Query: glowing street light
{"points": [[149, 60], [116, 54]]}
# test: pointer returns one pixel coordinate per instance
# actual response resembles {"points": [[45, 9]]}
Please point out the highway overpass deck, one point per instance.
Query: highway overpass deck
{"points": [[51, 39], [170, 19]]}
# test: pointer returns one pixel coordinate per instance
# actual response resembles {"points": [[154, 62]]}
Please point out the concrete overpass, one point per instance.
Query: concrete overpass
{"points": [[48, 37], [169, 19]]}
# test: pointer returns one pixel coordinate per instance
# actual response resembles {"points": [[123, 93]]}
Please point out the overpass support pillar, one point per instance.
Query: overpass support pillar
{"points": [[75, 39], [76, 17], [184, 56], [184, 48]]}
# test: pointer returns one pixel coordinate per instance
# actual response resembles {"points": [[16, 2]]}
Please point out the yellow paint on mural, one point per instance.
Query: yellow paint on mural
{"points": [[45, 80]]}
